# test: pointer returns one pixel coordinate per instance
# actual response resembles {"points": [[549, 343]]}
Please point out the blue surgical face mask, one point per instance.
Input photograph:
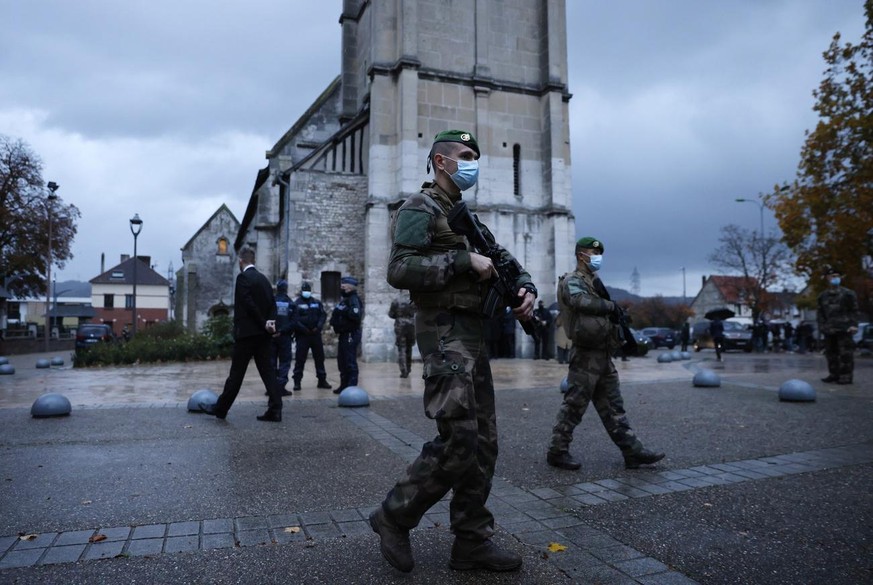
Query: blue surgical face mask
{"points": [[306, 294], [467, 173], [595, 262], [836, 280]]}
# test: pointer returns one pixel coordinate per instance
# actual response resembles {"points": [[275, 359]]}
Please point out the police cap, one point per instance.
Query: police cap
{"points": [[306, 286], [589, 243]]}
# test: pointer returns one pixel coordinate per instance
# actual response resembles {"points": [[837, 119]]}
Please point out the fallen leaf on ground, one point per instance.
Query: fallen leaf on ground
{"points": [[86, 502], [293, 529], [555, 547], [27, 536], [97, 538]]}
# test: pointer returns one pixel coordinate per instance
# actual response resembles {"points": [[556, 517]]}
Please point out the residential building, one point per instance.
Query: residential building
{"points": [[112, 295]]}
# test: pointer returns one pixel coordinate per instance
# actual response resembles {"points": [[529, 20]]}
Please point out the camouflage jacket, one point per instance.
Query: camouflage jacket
{"points": [[837, 310], [430, 260], [403, 313], [587, 323]]}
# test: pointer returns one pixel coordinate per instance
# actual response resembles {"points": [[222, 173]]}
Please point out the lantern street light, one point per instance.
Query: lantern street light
{"points": [[52, 187], [760, 207], [135, 228]]}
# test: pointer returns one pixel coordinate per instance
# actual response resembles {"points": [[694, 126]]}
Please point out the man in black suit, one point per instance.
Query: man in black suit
{"points": [[254, 323]]}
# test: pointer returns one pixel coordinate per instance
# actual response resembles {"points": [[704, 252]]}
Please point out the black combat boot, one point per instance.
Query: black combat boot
{"points": [[482, 554], [324, 385], [394, 541], [829, 379], [563, 460], [643, 457], [297, 385]]}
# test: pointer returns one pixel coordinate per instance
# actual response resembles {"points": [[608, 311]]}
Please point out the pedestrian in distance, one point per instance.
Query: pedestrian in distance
{"points": [[685, 336], [448, 284], [308, 324], [837, 322], [254, 323], [283, 339], [593, 325], [402, 310], [542, 323], [716, 331], [346, 322]]}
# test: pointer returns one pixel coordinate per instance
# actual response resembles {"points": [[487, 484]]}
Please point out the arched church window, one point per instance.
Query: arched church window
{"points": [[516, 170], [222, 246]]}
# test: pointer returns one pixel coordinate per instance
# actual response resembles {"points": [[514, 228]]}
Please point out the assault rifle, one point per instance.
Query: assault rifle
{"points": [[502, 292], [619, 317]]}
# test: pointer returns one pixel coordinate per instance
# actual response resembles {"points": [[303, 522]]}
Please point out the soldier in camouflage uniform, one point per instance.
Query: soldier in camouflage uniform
{"points": [[591, 323], [448, 283], [403, 312], [837, 321]]}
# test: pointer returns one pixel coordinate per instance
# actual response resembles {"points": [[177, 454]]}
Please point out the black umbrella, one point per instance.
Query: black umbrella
{"points": [[721, 314]]}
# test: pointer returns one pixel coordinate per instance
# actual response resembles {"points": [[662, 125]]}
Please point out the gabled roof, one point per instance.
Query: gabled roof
{"points": [[252, 207], [209, 221], [301, 122], [123, 274], [733, 288]]}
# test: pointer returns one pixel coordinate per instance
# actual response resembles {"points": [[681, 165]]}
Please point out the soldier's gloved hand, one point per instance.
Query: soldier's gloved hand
{"points": [[617, 312]]}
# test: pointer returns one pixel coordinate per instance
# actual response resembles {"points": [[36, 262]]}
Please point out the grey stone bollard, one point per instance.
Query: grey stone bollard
{"points": [[353, 396], [565, 385], [685, 355], [3, 361], [57, 361], [676, 355], [201, 398], [42, 363], [796, 391], [665, 358], [7, 370], [706, 379], [50, 404]]}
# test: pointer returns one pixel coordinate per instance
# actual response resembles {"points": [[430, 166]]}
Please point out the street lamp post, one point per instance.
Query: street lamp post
{"points": [[52, 187], [683, 285], [135, 228]]}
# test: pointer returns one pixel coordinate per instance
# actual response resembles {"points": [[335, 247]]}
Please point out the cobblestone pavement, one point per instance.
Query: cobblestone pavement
{"points": [[86, 496]]}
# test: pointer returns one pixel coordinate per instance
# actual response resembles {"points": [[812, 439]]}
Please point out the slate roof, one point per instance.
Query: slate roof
{"points": [[123, 274]]}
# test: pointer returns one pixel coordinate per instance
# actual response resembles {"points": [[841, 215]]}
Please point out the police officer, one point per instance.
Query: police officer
{"points": [[346, 322], [308, 325], [284, 337], [448, 284], [402, 310], [837, 321], [592, 325], [542, 322]]}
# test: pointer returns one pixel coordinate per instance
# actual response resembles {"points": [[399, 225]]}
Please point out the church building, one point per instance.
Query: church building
{"points": [[322, 206]]}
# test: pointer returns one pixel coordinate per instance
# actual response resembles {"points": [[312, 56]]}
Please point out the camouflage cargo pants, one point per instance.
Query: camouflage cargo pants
{"points": [[593, 378], [404, 338], [839, 349], [459, 396]]}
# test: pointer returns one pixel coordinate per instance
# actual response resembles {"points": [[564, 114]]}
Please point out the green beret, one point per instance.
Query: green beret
{"points": [[833, 270], [589, 243], [461, 136]]}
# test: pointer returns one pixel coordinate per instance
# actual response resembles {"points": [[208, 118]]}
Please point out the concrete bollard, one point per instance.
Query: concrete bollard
{"points": [[665, 358], [565, 385], [706, 379], [353, 396], [42, 363], [3, 361], [201, 398], [7, 370], [57, 361], [51, 404], [796, 391]]}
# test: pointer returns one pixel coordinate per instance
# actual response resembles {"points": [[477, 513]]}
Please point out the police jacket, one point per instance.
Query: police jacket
{"points": [[348, 314], [431, 261], [837, 310], [310, 315], [587, 323], [285, 309]]}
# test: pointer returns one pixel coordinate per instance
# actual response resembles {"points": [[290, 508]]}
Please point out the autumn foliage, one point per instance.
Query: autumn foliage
{"points": [[827, 212]]}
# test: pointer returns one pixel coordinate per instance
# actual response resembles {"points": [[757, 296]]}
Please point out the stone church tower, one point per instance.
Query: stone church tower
{"points": [[410, 69]]}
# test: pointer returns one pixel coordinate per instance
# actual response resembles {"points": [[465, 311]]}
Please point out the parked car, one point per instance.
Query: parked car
{"points": [[864, 336], [91, 334], [644, 343], [736, 336], [661, 336]]}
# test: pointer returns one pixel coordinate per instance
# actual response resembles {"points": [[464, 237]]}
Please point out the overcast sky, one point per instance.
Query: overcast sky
{"points": [[166, 107]]}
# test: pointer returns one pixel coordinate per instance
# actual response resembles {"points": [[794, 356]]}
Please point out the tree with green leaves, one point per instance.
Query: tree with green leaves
{"points": [[763, 261], [25, 206], [827, 212]]}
